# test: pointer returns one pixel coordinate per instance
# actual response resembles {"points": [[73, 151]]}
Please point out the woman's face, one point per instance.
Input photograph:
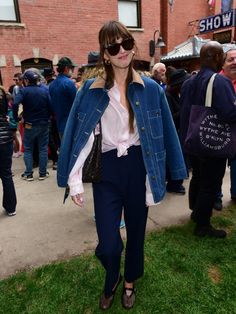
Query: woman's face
{"points": [[120, 56]]}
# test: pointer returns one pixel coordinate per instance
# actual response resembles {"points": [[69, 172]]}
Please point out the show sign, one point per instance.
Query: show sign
{"points": [[216, 22]]}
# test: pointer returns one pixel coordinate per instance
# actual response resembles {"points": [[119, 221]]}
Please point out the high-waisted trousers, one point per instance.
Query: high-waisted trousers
{"points": [[122, 187]]}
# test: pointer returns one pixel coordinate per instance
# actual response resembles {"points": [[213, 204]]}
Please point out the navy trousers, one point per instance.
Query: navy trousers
{"points": [[9, 194], [207, 176], [122, 187]]}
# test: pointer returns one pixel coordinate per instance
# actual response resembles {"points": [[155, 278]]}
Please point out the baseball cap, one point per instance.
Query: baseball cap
{"points": [[30, 76], [66, 62]]}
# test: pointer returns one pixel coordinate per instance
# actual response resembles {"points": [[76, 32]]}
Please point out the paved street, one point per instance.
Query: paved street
{"points": [[46, 230]]}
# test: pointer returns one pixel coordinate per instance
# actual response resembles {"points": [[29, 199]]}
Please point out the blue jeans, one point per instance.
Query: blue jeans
{"points": [[39, 132], [9, 194]]}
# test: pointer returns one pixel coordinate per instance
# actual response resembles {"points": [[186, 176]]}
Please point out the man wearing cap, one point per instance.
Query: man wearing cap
{"points": [[35, 100], [62, 91]]}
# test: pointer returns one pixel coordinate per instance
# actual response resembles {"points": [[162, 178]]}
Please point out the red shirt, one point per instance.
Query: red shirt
{"points": [[233, 81]]}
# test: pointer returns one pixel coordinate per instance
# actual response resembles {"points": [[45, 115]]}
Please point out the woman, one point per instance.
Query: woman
{"points": [[6, 151], [91, 70], [137, 134]]}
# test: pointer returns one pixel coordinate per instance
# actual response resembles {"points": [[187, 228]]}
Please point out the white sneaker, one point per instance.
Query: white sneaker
{"points": [[43, 176], [11, 214]]}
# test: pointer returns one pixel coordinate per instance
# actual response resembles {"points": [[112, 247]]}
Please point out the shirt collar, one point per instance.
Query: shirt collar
{"points": [[100, 81]]}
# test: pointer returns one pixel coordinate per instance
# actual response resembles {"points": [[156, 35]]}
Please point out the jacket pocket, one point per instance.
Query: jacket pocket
{"points": [[160, 161], [79, 118], [155, 123]]}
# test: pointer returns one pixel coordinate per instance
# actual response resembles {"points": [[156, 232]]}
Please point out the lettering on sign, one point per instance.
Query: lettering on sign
{"points": [[216, 22]]}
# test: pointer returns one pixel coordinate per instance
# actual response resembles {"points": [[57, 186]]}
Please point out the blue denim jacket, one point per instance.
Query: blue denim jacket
{"points": [[158, 137]]}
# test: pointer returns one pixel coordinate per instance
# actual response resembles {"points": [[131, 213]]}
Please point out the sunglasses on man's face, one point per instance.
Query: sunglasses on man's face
{"points": [[127, 44]]}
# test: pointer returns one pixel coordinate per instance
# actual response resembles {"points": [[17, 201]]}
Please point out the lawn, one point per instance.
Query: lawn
{"points": [[183, 275]]}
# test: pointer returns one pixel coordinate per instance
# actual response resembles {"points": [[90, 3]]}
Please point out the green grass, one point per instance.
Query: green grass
{"points": [[183, 275]]}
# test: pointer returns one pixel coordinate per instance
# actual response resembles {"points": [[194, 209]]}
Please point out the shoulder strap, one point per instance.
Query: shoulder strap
{"points": [[208, 99]]}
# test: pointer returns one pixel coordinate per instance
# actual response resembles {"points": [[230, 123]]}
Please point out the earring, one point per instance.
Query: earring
{"points": [[133, 52], [107, 61]]}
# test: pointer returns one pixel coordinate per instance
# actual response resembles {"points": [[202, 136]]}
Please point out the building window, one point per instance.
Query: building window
{"points": [[9, 11], [129, 12]]}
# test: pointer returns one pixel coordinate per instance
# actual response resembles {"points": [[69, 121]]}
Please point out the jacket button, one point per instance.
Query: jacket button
{"points": [[142, 128], [137, 103], [153, 178], [148, 153]]}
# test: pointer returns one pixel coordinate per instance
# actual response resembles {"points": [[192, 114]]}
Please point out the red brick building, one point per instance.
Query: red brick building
{"points": [[38, 32]]}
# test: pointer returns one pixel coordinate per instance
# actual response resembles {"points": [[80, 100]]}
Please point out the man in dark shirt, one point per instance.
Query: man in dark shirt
{"points": [[62, 91], [207, 172], [35, 100]]}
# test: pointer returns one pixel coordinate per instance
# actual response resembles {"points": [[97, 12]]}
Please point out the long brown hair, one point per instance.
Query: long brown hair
{"points": [[108, 34]]}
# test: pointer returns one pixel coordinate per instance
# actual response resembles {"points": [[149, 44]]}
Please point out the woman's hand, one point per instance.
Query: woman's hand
{"points": [[78, 200]]}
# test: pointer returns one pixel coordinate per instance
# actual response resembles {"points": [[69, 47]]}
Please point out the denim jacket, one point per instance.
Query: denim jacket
{"points": [[158, 137]]}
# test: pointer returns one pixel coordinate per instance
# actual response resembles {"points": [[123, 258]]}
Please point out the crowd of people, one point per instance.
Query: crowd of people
{"points": [[143, 119]]}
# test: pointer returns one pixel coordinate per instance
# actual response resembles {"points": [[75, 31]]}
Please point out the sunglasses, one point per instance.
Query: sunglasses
{"points": [[127, 44]]}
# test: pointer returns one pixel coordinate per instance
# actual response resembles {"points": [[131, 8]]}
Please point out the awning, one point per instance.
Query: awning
{"points": [[191, 49], [187, 50]]}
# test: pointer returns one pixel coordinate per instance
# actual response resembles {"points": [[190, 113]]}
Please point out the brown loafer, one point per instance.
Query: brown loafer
{"points": [[128, 298], [106, 302]]}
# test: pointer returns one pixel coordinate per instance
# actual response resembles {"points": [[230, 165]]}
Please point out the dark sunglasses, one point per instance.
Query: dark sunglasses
{"points": [[126, 44]]}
